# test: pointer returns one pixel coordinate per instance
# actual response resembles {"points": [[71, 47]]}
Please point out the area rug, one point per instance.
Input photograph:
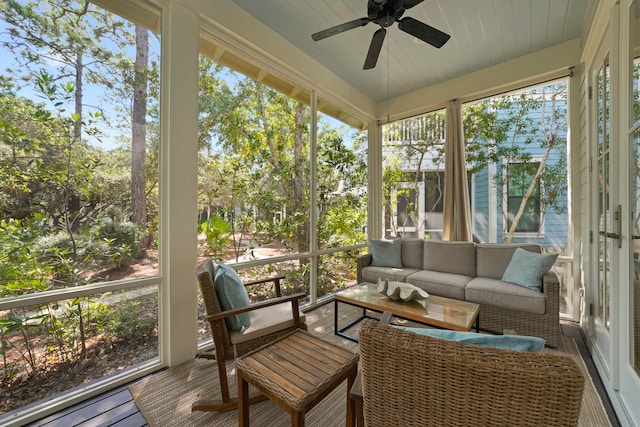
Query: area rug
{"points": [[165, 399], [592, 413]]}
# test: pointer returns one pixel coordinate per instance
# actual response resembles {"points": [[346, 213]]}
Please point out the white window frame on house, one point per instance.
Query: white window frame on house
{"points": [[418, 226], [440, 174], [505, 200]]}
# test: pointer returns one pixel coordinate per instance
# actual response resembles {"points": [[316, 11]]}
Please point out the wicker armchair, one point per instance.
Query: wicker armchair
{"points": [[415, 380], [271, 319]]}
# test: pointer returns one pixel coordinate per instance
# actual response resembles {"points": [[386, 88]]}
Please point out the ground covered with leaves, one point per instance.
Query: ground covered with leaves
{"points": [[103, 356]]}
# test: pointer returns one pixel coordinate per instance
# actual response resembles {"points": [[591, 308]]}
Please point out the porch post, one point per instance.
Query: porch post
{"points": [[178, 180], [374, 209]]}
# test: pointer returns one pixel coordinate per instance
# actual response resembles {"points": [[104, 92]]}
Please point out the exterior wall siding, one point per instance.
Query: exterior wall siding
{"points": [[554, 233]]}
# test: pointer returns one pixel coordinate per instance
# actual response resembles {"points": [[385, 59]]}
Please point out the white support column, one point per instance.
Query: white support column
{"points": [[178, 185], [493, 204], [313, 199], [374, 166], [574, 249]]}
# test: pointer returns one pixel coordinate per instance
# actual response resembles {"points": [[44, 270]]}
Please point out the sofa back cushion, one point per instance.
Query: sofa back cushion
{"points": [[450, 257], [412, 250], [386, 253], [492, 259]]}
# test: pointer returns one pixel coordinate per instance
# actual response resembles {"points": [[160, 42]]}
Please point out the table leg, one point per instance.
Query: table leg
{"points": [[351, 413], [243, 401], [297, 418], [335, 316], [478, 323]]}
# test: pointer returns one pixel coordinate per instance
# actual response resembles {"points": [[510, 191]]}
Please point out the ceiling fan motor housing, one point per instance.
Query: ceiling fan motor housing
{"points": [[384, 13]]}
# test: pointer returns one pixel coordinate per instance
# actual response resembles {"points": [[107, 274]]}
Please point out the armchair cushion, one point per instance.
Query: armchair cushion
{"points": [[507, 342], [386, 253], [232, 295], [527, 268], [264, 321]]}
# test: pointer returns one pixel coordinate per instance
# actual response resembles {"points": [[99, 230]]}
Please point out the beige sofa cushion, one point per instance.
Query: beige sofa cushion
{"points": [[492, 259], [442, 284], [371, 274], [412, 250], [450, 257], [483, 290]]}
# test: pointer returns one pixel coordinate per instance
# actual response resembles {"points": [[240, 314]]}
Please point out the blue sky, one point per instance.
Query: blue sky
{"points": [[94, 95]]}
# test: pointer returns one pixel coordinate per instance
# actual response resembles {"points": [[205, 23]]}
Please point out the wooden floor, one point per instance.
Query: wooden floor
{"points": [[116, 407]]}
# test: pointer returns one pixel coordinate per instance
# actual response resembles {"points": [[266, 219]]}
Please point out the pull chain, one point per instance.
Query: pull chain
{"points": [[388, 78]]}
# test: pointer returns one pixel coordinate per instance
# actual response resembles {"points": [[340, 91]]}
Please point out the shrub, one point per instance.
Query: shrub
{"points": [[105, 243], [217, 232], [20, 269], [119, 233], [129, 322]]}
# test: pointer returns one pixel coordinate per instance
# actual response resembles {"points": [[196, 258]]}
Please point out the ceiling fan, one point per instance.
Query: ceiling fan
{"points": [[385, 13]]}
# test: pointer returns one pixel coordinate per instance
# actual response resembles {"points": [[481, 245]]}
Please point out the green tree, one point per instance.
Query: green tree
{"points": [[139, 129], [260, 139], [60, 32], [340, 189], [511, 128]]}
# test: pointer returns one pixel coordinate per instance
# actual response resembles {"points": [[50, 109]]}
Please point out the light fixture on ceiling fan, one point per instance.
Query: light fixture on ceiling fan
{"points": [[385, 13]]}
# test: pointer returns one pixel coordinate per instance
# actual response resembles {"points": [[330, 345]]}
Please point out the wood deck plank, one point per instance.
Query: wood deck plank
{"points": [[115, 414], [134, 420], [75, 414]]}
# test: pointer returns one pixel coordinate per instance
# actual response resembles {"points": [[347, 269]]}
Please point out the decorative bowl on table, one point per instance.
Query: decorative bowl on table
{"points": [[401, 290]]}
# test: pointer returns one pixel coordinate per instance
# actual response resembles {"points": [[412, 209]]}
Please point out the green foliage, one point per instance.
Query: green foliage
{"points": [[69, 326], [217, 231], [21, 271], [122, 237], [129, 323], [105, 243], [57, 185], [513, 129], [342, 224], [27, 327]]}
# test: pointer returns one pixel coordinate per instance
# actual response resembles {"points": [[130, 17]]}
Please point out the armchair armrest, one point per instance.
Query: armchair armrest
{"points": [[551, 290], [551, 284], [273, 301], [361, 262], [275, 279]]}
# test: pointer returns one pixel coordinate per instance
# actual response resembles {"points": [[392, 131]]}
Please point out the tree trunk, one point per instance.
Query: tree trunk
{"points": [[77, 126], [139, 132], [550, 137], [298, 182]]}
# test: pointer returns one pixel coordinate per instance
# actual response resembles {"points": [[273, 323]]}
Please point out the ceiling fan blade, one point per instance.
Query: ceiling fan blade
{"points": [[339, 29], [423, 31], [374, 49], [408, 4]]}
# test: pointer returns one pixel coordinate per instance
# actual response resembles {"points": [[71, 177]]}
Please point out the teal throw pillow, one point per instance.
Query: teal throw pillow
{"points": [[506, 342], [232, 295], [527, 268], [386, 253]]}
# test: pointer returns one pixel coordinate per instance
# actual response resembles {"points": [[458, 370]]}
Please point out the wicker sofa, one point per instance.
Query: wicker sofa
{"points": [[473, 272], [415, 380]]}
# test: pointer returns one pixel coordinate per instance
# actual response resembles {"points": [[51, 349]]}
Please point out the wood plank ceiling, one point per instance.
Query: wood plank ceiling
{"points": [[483, 33]]}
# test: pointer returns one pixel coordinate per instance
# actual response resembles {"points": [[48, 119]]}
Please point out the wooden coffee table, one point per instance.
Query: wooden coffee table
{"points": [[440, 312], [296, 372]]}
